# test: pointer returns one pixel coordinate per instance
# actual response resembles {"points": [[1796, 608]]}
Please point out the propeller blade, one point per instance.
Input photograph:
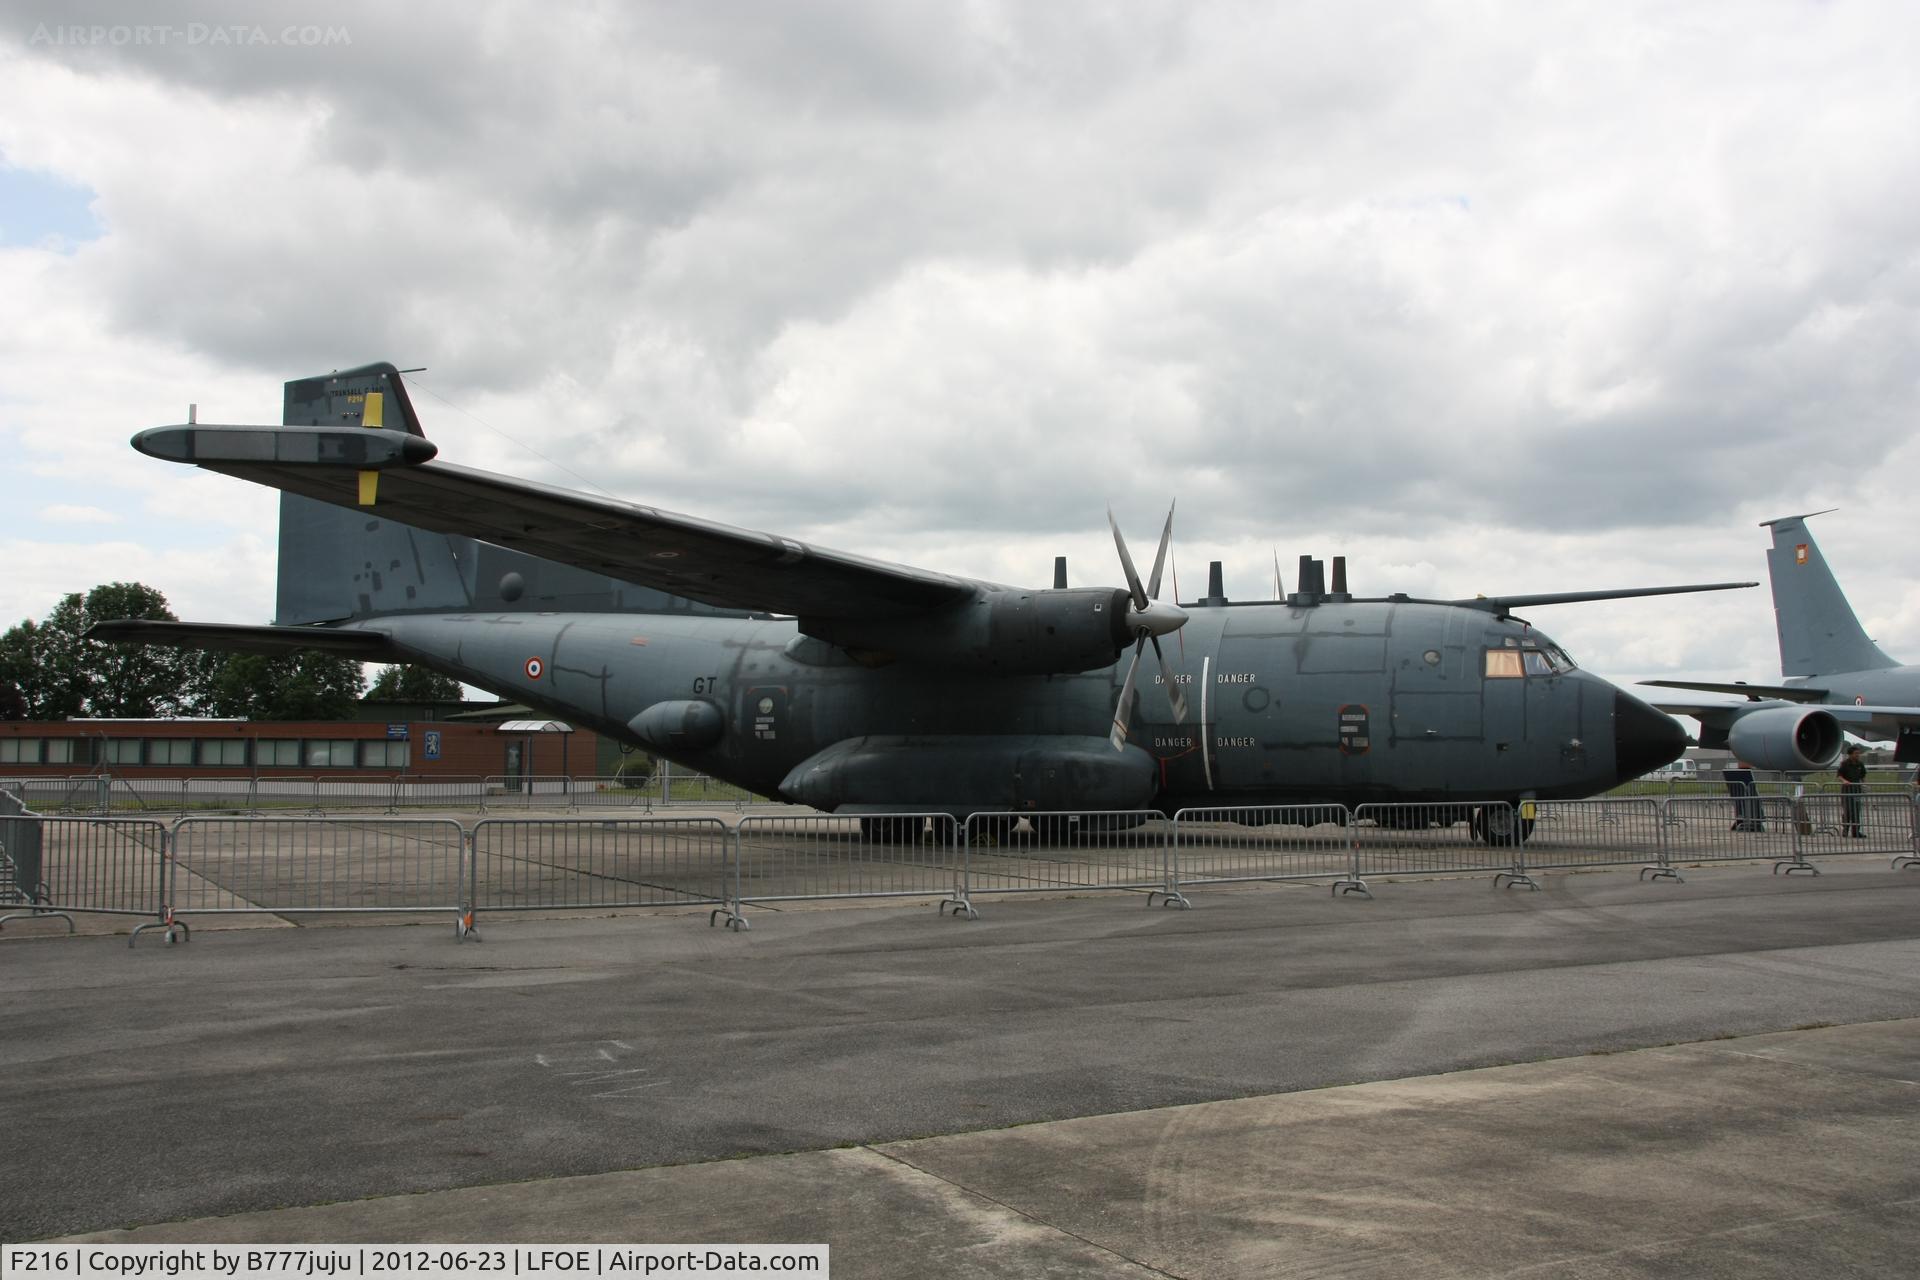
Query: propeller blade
{"points": [[1160, 556], [1120, 709], [1126, 563], [1174, 696]]}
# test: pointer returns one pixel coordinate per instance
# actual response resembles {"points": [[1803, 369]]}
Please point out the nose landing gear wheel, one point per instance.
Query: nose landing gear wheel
{"points": [[1499, 825]]}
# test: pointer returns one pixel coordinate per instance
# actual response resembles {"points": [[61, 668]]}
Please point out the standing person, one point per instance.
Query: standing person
{"points": [[1853, 776]]}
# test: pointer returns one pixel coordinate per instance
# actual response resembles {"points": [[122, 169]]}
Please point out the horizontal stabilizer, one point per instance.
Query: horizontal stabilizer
{"points": [[356, 448], [367, 646], [1741, 689]]}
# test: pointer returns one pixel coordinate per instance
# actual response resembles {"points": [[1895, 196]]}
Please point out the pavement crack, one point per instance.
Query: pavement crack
{"points": [[1024, 1215]]}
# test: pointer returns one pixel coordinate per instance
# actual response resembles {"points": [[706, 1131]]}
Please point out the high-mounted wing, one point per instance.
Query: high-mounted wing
{"points": [[1741, 689], [699, 559]]}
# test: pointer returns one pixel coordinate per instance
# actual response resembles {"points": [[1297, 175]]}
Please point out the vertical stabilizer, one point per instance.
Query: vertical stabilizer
{"points": [[1818, 633], [340, 563]]}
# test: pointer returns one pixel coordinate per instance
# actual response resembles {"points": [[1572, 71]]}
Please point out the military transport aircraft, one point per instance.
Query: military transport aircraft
{"points": [[1828, 663], [859, 686]]}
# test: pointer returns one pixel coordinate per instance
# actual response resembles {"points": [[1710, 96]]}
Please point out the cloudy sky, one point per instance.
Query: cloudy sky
{"points": [[1486, 297]]}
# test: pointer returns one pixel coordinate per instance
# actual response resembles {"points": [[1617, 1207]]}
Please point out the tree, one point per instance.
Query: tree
{"points": [[297, 686], [48, 671], [409, 683], [129, 681]]}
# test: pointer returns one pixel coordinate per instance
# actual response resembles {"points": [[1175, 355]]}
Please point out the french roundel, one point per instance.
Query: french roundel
{"points": [[535, 668]]}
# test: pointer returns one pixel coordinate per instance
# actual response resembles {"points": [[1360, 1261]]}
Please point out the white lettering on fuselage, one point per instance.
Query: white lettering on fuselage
{"points": [[1234, 677]]}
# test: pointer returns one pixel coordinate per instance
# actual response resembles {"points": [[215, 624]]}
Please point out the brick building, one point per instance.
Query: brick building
{"points": [[440, 748]]}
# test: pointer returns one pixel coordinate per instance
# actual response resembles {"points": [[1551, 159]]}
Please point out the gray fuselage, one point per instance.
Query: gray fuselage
{"points": [[1339, 702]]}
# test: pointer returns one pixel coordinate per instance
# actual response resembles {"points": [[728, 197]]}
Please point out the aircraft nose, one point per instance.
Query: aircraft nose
{"points": [[1643, 738]]}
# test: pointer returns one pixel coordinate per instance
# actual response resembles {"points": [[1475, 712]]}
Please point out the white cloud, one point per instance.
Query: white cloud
{"points": [[1568, 299]]}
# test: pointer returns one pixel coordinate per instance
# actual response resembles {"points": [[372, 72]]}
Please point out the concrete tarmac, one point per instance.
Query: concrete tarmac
{"points": [[1605, 1078]]}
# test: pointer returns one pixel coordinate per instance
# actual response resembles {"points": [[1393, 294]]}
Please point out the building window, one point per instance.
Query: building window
{"points": [[223, 751], [383, 755], [59, 750], [120, 751], [19, 751], [330, 753], [170, 751], [277, 753]]}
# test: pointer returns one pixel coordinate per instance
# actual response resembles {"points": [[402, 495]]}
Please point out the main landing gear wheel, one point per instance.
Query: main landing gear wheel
{"points": [[1498, 824]]}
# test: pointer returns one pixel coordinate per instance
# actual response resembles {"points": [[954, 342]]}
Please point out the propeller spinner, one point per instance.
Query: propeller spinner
{"points": [[1148, 619]]}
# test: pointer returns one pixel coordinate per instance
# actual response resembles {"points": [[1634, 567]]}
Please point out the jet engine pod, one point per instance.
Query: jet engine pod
{"points": [[685, 725], [1794, 739], [962, 774]]}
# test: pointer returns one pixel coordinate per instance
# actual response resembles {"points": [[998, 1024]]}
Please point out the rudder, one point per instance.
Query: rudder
{"points": [[1819, 634]]}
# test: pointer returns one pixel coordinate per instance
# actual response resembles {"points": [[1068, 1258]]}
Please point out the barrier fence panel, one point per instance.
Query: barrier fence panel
{"points": [[1049, 852], [1874, 822], [348, 795], [147, 795], [1289, 842], [786, 859], [414, 791], [285, 794], [19, 851], [1416, 839], [86, 794], [288, 865], [1730, 829], [232, 794], [615, 793], [113, 866], [524, 864], [1594, 833]]}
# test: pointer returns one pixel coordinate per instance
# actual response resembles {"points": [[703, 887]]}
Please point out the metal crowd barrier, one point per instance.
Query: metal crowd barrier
{"points": [[286, 865], [1595, 833], [1049, 852], [525, 864], [1283, 842], [283, 866], [101, 866], [793, 858], [1442, 839]]}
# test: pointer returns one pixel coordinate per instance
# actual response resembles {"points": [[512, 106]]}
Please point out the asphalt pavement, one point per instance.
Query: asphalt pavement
{"points": [[1607, 1077]]}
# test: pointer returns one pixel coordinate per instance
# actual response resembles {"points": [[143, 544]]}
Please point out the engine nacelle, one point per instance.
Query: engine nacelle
{"points": [[1793, 739], [1002, 631]]}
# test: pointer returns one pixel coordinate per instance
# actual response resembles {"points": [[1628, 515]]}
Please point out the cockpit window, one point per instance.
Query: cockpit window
{"points": [[1511, 662], [1504, 664]]}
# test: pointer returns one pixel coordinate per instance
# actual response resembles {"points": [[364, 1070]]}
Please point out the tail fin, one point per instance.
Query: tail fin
{"points": [[1818, 633], [338, 564]]}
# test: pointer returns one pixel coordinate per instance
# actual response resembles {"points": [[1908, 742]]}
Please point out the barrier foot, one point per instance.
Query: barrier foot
{"points": [[1173, 898], [960, 906], [1793, 865], [735, 921], [1661, 873], [1352, 885], [176, 930], [39, 915], [1513, 879], [464, 927], [1905, 862]]}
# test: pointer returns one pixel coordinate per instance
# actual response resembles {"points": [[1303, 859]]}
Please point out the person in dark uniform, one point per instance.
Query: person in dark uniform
{"points": [[1747, 814], [1853, 778]]}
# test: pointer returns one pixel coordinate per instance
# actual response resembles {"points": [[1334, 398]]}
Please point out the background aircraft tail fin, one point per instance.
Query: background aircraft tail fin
{"points": [[339, 564], [1818, 633]]}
